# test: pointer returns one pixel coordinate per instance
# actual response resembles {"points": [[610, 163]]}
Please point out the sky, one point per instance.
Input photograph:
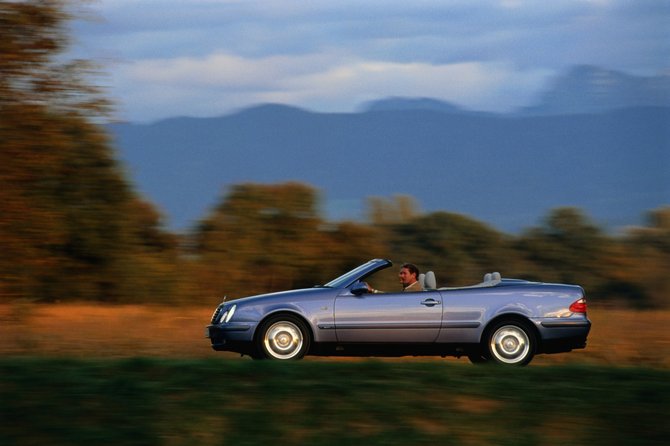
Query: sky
{"points": [[202, 58]]}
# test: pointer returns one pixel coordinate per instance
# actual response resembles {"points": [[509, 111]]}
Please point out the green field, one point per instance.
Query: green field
{"points": [[240, 402]]}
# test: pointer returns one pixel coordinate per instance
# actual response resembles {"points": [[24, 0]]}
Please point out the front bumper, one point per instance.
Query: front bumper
{"points": [[229, 337]]}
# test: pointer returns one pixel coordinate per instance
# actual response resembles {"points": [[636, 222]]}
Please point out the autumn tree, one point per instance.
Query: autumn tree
{"points": [[646, 259], [33, 76], [69, 218], [459, 249], [261, 237], [570, 248], [270, 237], [397, 209]]}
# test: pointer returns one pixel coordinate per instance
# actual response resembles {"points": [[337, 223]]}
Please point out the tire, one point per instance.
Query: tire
{"points": [[477, 358], [510, 342], [283, 338]]}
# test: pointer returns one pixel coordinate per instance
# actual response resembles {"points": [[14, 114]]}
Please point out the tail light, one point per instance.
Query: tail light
{"points": [[578, 306]]}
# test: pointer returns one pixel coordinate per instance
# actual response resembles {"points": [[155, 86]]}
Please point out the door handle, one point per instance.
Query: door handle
{"points": [[430, 302]]}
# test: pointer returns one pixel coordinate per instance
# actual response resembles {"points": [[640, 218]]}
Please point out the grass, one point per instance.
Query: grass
{"points": [[75, 374], [145, 401]]}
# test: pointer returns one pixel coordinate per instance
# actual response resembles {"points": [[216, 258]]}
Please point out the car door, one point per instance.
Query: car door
{"points": [[464, 313], [388, 317]]}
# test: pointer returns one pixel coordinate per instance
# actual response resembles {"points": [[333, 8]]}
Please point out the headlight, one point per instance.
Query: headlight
{"points": [[230, 313], [227, 315]]}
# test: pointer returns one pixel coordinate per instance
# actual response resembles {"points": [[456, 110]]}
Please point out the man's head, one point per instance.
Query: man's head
{"points": [[408, 274]]}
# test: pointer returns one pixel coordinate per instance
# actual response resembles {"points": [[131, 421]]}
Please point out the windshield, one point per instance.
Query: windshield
{"points": [[350, 277]]}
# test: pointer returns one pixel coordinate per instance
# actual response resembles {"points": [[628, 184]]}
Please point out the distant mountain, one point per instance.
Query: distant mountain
{"points": [[403, 103], [588, 89], [504, 170]]}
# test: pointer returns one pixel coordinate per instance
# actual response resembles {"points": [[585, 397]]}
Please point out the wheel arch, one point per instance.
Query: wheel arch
{"points": [[513, 317], [284, 312]]}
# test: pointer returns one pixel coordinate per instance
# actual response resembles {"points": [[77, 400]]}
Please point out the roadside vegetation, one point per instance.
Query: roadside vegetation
{"points": [[224, 402]]}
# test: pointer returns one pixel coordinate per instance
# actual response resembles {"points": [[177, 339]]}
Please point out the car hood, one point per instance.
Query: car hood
{"points": [[298, 294]]}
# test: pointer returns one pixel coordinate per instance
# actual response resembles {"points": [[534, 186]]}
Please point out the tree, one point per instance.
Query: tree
{"points": [[69, 217], [647, 257], [260, 238], [570, 248], [458, 249], [32, 36], [399, 209], [270, 237]]}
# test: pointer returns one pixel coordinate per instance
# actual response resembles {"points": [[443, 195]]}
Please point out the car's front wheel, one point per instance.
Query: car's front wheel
{"points": [[477, 358], [283, 337], [510, 342]]}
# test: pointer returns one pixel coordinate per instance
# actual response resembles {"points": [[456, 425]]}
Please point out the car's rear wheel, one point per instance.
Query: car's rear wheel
{"points": [[283, 337], [511, 342]]}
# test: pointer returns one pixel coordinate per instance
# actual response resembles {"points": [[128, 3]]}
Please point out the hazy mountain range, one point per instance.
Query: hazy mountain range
{"points": [[596, 139]]}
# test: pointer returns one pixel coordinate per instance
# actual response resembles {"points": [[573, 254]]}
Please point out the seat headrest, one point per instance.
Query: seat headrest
{"points": [[430, 282]]}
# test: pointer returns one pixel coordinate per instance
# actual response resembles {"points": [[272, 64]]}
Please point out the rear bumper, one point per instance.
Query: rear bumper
{"points": [[564, 335]]}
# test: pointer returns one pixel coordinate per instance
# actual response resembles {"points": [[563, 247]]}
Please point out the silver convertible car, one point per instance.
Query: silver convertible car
{"points": [[499, 320]]}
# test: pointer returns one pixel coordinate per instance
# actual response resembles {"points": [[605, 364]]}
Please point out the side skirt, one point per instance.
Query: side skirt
{"points": [[392, 350]]}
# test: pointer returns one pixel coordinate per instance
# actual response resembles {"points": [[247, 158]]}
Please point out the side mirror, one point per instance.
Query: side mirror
{"points": [[359, 288]]}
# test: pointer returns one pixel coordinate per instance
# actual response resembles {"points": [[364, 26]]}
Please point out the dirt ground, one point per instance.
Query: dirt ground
{"points": [[618, 336]]}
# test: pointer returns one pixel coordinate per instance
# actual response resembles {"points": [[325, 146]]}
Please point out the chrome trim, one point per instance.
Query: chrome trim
{"points": [[565, 324], [385, 326], [461, 324], [231, 327]]}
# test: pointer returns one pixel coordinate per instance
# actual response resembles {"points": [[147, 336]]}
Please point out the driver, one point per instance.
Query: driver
{"points": [[409, 279]]}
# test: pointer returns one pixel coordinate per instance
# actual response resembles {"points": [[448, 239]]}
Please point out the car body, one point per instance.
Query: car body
{"points": [[500, 320]]}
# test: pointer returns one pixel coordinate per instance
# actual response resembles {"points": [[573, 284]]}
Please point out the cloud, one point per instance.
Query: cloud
{"points": [[210, 56], [335, 81]]}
